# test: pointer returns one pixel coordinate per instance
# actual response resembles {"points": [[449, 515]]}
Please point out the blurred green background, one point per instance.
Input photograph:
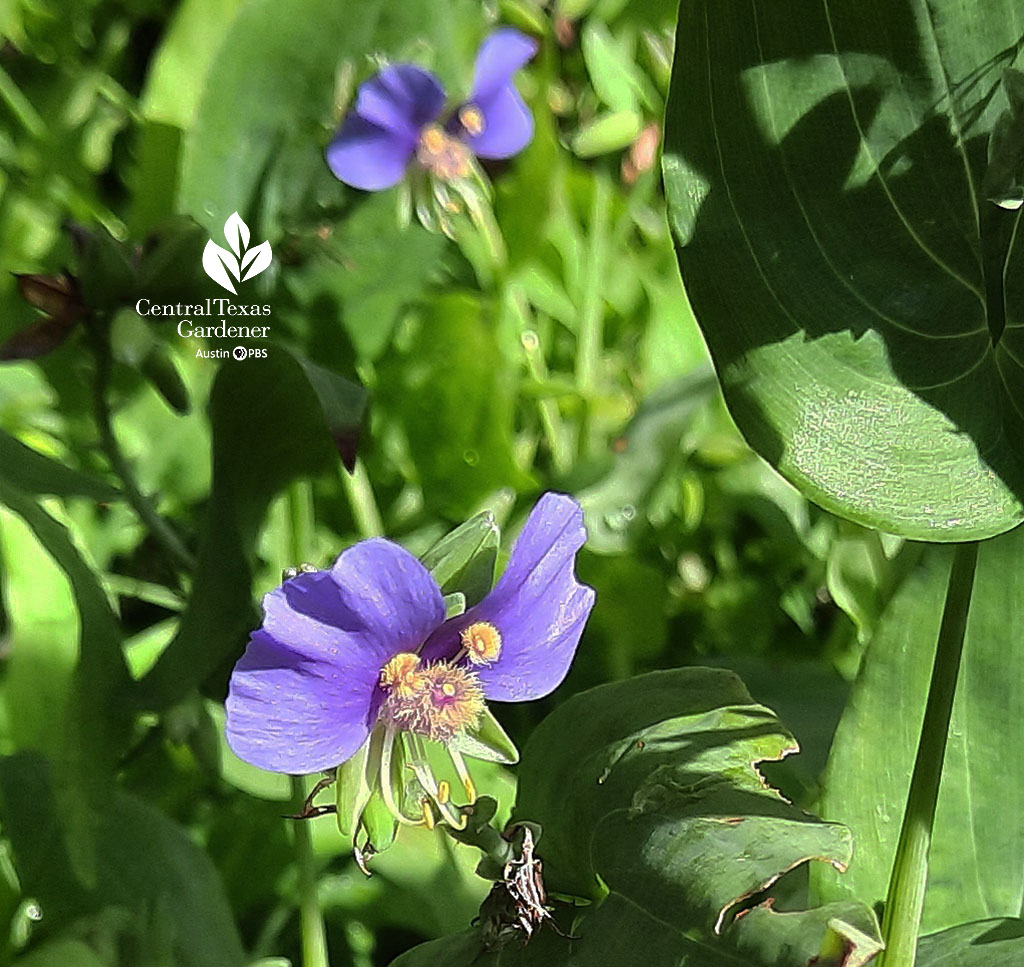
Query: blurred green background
{"points": [[131, 835]]}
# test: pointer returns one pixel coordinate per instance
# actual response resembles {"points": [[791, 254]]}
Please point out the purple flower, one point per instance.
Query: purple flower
{"points": [[365, 648], [397, 118]]}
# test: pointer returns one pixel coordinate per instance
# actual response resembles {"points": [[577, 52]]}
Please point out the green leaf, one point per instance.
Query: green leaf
{"points": [[987, 943], [268, 430], [355, 784], [607, 133], [844, 934], [271, 123], [643, 454], [488, 742], [648, 787], [67, 953], [612, 71], [372, 267], [343, 404], [856, 574], [454, 396], [42, 637], [134, 841], [825, 187], [96, 720], [464, 559], [35, 473], [976, 866], [651, 805], [187, 52]]}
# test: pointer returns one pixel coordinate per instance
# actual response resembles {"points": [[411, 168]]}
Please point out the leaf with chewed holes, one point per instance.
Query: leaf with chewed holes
{"points": [[651, 805]]}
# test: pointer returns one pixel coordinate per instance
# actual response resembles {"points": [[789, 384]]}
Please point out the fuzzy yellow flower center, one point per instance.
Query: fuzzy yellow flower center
{"points": [[482, 642], [445, 156], [472, 119], [438, 700]]}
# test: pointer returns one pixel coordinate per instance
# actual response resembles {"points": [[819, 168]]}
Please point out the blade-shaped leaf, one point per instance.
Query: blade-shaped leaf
{"points": [[488, 741], [464, 559], [35, 473], [97, 720], [824, 166], [986, 943], [976, 867]]}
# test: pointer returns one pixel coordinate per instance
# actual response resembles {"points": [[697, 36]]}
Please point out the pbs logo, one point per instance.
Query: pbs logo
{"points": [[241, 352]]}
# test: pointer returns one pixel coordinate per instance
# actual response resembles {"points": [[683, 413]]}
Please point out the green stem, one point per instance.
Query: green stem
{"points": [[21, 107], [591, 332], [369, 523], [141, 504], [905, 899], [550, 417], [314, 933], [311, 918]]}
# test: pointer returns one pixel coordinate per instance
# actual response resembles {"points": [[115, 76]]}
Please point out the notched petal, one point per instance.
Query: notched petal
{"points": [[503, 53], [538, 607]]}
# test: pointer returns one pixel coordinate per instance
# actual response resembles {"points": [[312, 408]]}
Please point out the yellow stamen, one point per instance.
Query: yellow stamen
{"points": [[428, 813], [472, 119], [433, 139], [447, 157], [482, 642], [444, 792], [460, 768], [402, 675]]}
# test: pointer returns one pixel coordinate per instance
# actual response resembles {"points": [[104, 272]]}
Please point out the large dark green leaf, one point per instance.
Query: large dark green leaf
{"points": [[36, 473], [144, 861], [268, 429], [96, 721], [652, 807], [976, 868], [636, 782], [987, 943], [826, 170]]}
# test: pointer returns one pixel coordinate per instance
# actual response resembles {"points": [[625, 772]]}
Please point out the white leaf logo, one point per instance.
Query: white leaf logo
{"points": [[219, 262]]}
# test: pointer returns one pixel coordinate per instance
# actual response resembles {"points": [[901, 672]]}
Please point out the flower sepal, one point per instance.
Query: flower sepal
{"points": [[488, 742], [357, 780]]}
